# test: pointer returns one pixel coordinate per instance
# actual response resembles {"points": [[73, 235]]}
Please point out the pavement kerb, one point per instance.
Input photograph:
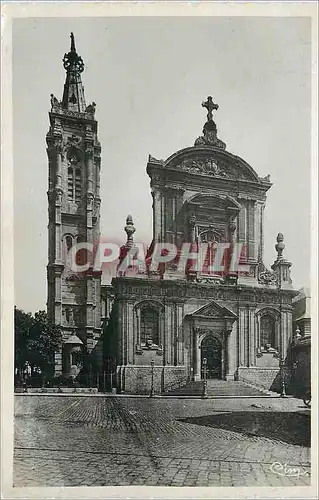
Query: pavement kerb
{"points": [[157, 396]]}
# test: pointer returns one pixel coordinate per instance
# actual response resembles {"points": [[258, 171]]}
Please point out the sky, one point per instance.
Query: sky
{"points": [[148, 77]]}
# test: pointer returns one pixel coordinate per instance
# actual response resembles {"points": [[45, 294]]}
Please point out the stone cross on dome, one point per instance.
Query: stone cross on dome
{"points": [[210, 106], [209, 136]]}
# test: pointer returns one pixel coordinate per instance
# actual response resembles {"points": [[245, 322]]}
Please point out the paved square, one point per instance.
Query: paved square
{"points": [[109, 441]]}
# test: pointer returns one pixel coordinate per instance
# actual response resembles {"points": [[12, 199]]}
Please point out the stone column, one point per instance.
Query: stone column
{"points": [[286, 331], [251, 335], [121, 332], [251, 230], [130, 333], [169, 335], [89, 164], [261, 234], [196, 355], [157, 214], [97, 301], [174, 211], [180, 333], [241, 335], [58, 180], [162, 218], [257, 333], [242, 224], [58, 295], [224, 355], [97, 180], [231, 353], [138, 327], [257, 231], [58, 224]]}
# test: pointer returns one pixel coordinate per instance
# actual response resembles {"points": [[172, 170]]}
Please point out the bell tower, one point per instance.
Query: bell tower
{"points": [[74, 299]]}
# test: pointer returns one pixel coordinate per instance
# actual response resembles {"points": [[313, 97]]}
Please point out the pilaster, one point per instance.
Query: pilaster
{"points": [[130, 334], [252, 336], [242, 335], [157, 214], [251, 233], [169, 327], [180, 333], [242, 221]]}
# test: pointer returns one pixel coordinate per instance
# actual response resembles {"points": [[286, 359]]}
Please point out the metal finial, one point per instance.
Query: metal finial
{"points": [[72, 61], [72, 43]]}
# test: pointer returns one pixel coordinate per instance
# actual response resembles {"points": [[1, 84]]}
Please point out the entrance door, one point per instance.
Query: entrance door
{"points": [[211, 349]]}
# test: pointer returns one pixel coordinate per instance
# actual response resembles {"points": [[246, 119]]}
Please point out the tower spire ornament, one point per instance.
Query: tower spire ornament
{"points": [[280, 246], [281, 266], [73, 95], [72, 43], [130, 230], [127, 250], [209, 136]]}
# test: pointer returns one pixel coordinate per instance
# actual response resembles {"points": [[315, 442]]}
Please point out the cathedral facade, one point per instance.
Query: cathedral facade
{"points": [[160, 325]]}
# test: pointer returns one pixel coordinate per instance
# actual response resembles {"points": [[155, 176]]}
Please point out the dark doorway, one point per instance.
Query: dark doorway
{"points": [[211, 349]]}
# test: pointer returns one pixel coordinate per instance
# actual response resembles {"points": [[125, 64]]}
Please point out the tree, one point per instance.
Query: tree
{"points": [[23, 323], [36, 341]]}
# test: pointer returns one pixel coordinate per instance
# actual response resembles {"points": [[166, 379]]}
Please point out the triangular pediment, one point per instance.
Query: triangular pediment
{"points": [[214, 310]]}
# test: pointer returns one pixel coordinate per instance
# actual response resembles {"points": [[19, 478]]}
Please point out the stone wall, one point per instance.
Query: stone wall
{"points": [[138, 379], [268, 378]]}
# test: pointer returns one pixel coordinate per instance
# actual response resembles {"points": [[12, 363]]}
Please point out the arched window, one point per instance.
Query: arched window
{"points": [[149, 326], [68, 243], [70, 184], [81, 255], [78, 185], [209, 240], [268, 331], [67, 315], [73, 358], [78, 316], [74, 184]]}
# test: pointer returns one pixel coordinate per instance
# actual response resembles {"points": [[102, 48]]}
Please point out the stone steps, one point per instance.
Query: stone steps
{"points": [[216, 388]]}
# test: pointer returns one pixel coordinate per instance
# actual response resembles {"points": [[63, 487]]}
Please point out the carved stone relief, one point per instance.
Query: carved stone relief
{"points": [[265, 276], [207, 166]]}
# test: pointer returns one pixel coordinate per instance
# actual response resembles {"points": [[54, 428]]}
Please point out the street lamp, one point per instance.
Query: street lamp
{"points": [[204, 395], [152, 379], [282, 378]]}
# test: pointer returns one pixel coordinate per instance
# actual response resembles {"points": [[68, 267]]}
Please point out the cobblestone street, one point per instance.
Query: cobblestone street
{"points": [[109, 441]]}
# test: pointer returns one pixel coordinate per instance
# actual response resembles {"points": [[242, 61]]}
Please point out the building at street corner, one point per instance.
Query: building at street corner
{"points": [[161, 322], [301, 344]]}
